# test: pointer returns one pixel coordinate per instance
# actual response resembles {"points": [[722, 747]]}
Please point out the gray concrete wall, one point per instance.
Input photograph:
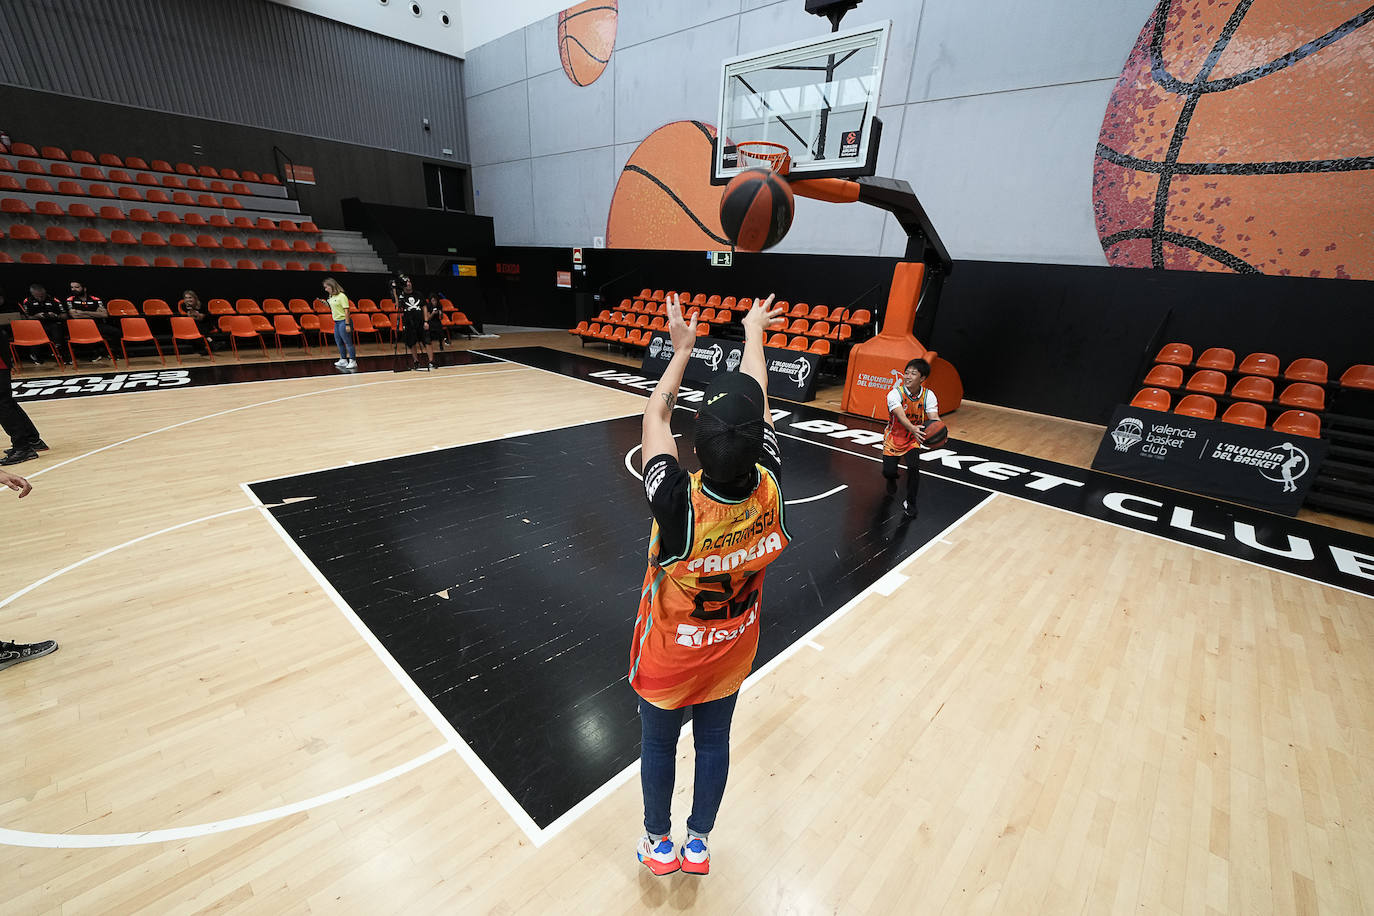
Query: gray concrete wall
{"points": [[991, 110]]}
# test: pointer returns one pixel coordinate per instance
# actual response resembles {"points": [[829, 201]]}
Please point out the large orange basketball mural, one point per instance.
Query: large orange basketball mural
{"points": [[664, 198], [586, 36], [1240, 137]]}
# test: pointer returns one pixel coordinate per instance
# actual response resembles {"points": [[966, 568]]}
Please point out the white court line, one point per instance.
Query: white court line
{"points": [[629, 466], [173, 834], [109, 550], [220, 413], [455, 740]]}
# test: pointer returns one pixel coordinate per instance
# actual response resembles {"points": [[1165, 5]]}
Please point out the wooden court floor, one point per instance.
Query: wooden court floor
{"points": [[1050, 715]]}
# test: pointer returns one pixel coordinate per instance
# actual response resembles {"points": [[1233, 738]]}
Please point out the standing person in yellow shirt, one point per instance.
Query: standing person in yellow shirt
{"points": [[343, 328]]}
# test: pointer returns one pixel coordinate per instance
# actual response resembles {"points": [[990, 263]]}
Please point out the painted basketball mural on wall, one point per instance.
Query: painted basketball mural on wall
{"points": [[664, 198], [586, 37], [1241, 138]]}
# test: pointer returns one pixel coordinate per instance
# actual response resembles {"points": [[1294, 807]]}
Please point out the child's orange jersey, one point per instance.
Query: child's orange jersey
{"points": [[897, 439], [698, 625]]}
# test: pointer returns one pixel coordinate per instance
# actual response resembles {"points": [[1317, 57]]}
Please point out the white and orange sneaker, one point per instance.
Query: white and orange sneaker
{"points": [[696, 858], [660, 858]]}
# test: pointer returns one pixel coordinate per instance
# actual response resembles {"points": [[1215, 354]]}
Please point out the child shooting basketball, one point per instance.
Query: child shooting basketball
{"points": [[697, 629], [910, 405]]}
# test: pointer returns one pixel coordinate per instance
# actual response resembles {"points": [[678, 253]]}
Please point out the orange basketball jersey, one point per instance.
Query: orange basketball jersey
{"points": [[897, 439], [698, 623]]}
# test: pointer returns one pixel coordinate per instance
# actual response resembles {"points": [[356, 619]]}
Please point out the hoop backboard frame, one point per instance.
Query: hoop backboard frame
{"points": [[808, 54]]}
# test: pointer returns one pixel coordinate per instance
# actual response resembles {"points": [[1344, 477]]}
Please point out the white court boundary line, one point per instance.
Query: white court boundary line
{"points": [[220, 413], [10, 837]]}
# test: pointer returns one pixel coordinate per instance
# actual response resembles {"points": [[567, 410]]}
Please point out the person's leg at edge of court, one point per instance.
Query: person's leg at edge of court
{"points": [[711, 737], [659, 732], [25, 443], [343, 336]]}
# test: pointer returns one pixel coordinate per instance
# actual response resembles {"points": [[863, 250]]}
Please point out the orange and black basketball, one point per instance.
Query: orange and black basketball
{"points": [[586, 37], [756, 209], [937, 433]]}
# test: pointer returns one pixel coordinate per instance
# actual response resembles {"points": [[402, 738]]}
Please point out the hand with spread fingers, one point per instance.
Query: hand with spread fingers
{"points": [[682, 331], [761, 317]]}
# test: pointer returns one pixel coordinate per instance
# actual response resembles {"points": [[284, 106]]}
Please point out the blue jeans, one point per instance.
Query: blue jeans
{"points": [[343, 336], [660, 729]]}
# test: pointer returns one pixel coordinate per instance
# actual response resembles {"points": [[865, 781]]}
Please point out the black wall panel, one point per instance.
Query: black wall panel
{"points": [[241, 62]]}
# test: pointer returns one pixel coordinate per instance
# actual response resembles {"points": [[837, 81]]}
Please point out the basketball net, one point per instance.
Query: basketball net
{"points": [[777, 158]]}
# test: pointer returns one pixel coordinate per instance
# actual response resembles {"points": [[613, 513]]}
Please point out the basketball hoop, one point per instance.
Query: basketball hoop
{"points": [[762, 153]]}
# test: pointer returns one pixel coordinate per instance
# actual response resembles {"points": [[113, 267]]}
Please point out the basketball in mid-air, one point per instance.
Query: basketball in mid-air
{"points": [[756, 209]]}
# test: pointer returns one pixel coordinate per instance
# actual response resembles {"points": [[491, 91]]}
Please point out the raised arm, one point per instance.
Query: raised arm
{"points": [[657, 435], [756, 323]]}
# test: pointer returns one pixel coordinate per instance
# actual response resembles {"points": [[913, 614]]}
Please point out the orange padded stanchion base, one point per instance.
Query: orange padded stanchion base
{"points": [[875, 364]]}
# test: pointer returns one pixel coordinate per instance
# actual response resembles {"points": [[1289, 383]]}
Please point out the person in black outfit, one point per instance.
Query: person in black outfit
{"points": [[83, 304], [24, 441], [415, 320], [12, 653], [52, 312]]}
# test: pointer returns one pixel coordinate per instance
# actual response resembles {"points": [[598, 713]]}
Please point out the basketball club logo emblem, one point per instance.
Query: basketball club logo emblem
{"points": [[1293, 467], [1127, 433], [655, 347], [732, 361]]}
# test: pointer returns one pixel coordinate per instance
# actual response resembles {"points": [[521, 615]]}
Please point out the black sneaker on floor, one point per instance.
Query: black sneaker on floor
{"points": [[12, 653], [908, 509], [18, 455], [38, 445]]}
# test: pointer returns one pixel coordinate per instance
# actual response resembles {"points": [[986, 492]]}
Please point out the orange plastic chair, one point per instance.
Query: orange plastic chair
{"points": [[158, 307], [135, 260], [298, 307], [247, 307], [1207, 380], [1197, 405], [312, 322], [1152, 399], [271, 265], [91, 236], [799, 326], [362, 324], [70, 260], [580, 329], [819, 329], [121, 308], [241, 326], [778, 340], [1254, 388], [1243, 413], [383, 323], [135, 330], [798, 343], [1360, 376], [1266, 364], [219, 307], [322, 308], [34, 257], [820, 347], [1218, 358], [1299, 423], [800, 310], [103, 260], [84, 331], [1304, 395], [273, 307], [367, 305], [819, 313], [1164, 376], [283, 325], [193, 262], [1179, 354], [29, 332], [1306, 369]]}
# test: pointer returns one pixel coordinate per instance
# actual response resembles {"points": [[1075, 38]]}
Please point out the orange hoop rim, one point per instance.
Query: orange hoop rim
{"points": [[776, 155]]}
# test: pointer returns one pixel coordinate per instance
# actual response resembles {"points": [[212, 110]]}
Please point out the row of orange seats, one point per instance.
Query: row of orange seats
{"points": [[22, 232], [640, 337], [28, 332], [135, 162], [1303, 369], [1241, 413], [1307, 395], [112, 213], [125, 192], [134, 260], [60, 170], [730, 303]]}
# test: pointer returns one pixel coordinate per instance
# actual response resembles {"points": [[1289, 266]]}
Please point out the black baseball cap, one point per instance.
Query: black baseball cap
{"points": [[729, 431]]}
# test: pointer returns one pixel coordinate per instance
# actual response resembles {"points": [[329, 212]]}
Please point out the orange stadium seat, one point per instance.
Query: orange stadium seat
{"points": [[1359, 376], [1179, 354], [135, 330], [103, 260], [192, 262], [1207, 380], [135, 162], [1299, 423], [1304, 395], [68, 259], [81, 211], [81, 155], [1306, 369], [1254, 388], [134, 260], [1244, 413], [1266, 364], [53, 152], [1218, 358], [1197, 405], [48, 208], [158, 307]]}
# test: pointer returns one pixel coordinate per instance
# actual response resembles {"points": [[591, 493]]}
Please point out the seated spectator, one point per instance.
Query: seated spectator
{"points": [[83, 304], [52, 312], [191, 306]]}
